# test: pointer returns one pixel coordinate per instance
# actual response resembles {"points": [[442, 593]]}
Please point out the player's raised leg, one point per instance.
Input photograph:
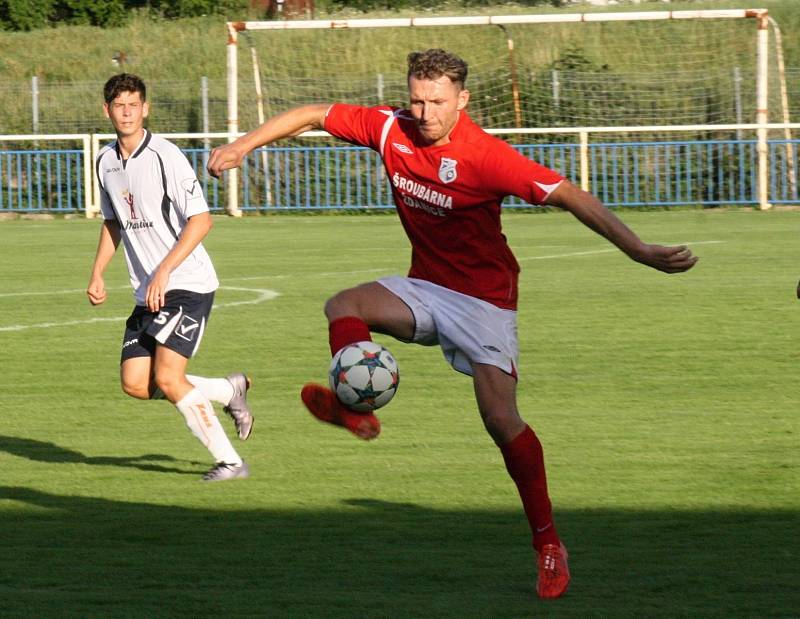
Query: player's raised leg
{"points": [[169, 370], [522, 452], [351, 315]]}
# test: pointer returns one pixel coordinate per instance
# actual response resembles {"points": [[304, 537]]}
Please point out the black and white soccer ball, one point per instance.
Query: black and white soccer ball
{"points": [[364, 376]]}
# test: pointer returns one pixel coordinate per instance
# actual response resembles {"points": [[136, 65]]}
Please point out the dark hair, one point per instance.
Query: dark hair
{"points": [[434, 63], [124, 82]]}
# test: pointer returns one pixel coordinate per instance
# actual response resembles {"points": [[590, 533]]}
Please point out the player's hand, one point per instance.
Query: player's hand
{"points": [[224, 158], [674, 259], [156, 291], [96, 291]]}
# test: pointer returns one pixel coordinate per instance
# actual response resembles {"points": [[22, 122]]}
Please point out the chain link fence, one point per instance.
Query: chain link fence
{"points": [[178, 106]]}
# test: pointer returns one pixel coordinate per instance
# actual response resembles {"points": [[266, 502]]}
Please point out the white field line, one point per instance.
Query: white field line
{"points": [[262, 296], [266, 294], [607, 250]]}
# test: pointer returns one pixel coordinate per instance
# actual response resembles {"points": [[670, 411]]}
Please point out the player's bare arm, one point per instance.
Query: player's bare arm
{"points": [[284, 125], [106, 248], [588, 209], [195, 231]]}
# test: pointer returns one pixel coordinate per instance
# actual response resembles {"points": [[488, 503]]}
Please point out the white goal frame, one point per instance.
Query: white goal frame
{"points": [[762, 64]]}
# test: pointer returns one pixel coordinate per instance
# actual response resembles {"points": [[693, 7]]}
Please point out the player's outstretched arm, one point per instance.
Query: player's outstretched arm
{"points": [[106, 247], [588, 209], [284, 125]]}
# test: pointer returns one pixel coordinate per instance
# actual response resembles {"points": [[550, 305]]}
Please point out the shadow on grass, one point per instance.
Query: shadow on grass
{"points": [[41, 451], [66, 555]]}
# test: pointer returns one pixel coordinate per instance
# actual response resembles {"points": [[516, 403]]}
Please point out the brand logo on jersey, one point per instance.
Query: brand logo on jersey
{"points": [[403, 148], [192, 187], [111, 170], [128, 197], [187, 328], [447, 170]]}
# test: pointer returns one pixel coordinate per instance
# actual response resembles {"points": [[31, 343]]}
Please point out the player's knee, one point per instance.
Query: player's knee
{"points": [[341, 304], [502, 425], [167, 382], [136, 390]]}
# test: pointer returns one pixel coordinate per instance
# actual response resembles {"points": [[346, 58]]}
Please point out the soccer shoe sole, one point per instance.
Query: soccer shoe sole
{"points": [[325, 406]]}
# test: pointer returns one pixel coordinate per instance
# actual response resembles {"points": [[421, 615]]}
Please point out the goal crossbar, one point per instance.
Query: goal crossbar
{"points": [[493, 20]]}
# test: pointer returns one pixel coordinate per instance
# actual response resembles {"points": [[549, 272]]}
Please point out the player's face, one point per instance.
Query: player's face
{"points": [[435, 105], [127, 113]]}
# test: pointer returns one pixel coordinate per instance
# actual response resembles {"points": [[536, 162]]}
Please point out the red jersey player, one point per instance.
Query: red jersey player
{"points": [[448, 180]]}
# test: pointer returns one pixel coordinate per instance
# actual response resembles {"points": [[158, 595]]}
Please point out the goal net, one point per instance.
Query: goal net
{"points": [[590, 70], [697, 67]]}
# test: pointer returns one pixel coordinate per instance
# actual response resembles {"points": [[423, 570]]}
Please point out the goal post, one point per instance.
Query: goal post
{"points": [[519, 76]]}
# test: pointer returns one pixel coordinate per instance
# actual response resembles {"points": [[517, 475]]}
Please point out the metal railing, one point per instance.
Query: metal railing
{"points": [[53, 173]]}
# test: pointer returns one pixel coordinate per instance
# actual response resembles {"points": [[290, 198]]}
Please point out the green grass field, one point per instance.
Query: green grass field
{"points": [[667, 406]]}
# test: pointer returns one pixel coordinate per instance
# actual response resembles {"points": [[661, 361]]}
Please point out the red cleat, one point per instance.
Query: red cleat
{"points": [[325, 406], [553, 571]]}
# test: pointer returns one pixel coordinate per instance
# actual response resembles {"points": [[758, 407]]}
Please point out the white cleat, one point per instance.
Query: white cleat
{"points": [[223, 472], [237, 408]]}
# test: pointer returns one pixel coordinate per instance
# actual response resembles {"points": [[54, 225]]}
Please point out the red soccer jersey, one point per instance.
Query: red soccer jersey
{"points": [[448, 197]]}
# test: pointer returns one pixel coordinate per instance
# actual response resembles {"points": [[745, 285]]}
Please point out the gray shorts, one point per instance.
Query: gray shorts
{"points": [[467, 329], [179, 325]]}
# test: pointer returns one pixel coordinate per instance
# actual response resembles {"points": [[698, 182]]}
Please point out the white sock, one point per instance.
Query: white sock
{"points": [[205, 425], [216, 389]]}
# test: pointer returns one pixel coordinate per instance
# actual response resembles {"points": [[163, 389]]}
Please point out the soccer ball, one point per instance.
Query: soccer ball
{"points": [[364, 376]]}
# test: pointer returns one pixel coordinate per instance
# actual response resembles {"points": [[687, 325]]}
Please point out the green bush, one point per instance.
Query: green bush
{"points": [[24, 14], [195, 8], [33, 14], [103, 13]]}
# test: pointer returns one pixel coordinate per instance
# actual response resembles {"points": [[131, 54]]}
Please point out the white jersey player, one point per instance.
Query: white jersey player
{"points": [[151, 201]]}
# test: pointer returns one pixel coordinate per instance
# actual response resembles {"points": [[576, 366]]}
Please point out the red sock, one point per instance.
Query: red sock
{"points": [[347, 330], [525, 463]]}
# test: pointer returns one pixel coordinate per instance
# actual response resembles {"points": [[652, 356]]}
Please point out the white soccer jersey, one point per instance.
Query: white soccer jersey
{"points": [[152, 195]]}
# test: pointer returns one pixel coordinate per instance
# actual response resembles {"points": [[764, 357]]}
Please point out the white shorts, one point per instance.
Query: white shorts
{"points": [[467, 329]]}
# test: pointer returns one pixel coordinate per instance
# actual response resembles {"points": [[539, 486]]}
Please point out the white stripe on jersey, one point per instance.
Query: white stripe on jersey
{"points": [[547, 188], [386, 126]]}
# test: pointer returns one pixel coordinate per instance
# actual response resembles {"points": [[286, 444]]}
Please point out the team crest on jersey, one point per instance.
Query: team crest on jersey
{"points": [[447, 170]]}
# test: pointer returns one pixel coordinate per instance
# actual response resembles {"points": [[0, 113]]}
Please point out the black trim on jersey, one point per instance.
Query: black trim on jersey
{"points": [[145, 142], [119, 153], [165, 201], [97, 163]]}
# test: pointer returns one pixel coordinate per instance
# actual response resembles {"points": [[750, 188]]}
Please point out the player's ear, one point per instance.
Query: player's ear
{"points": [[105, 110], [145, 109], [463, 99]]}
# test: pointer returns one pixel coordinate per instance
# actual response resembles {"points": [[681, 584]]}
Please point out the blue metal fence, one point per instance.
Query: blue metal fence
{"points": [[42, 180], [627, 174], [622, 174]]}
